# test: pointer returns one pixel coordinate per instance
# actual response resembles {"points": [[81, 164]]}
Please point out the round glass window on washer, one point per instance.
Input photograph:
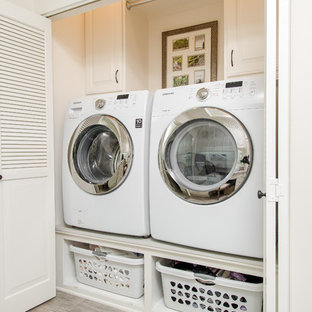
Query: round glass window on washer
{"points": [[97, 152], [205, 155], [100, 154]]}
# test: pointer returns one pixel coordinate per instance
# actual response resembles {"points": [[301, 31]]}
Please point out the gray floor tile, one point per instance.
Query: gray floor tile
{"points": [[68, 303]]}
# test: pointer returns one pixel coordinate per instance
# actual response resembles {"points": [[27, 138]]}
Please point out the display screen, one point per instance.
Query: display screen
{"points": [[122, 96], [234, 84]]}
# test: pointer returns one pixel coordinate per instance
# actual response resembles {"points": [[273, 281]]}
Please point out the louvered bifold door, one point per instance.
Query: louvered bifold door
{"points": [[27, 274], [23, 101]]}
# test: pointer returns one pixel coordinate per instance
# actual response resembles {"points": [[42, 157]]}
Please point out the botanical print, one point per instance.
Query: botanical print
{"points": [[199, 42], [196, 60], [180, 44], [199, 76], [182, 80], [177, 63]]}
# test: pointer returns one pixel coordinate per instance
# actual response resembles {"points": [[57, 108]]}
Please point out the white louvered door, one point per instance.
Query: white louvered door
{"points": [[27, 256]]}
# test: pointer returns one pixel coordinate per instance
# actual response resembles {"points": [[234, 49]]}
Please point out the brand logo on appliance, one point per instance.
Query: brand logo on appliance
{"points": [[138, 122]]}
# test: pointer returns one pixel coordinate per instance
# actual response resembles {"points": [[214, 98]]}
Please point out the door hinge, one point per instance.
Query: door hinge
{"points": [[275, 191]]}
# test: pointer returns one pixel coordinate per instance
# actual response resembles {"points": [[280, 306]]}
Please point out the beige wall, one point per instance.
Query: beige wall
{"points": [[184, 15], [68, 83], [136, 50], [301, 157]]}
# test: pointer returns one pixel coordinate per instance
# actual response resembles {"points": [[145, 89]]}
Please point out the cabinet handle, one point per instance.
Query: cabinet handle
{"points": [[116, 77], [232, 51]]}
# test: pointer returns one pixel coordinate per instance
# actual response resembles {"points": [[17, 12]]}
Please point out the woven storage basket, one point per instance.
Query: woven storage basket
{"points": [[187, 291], [121, 273]]}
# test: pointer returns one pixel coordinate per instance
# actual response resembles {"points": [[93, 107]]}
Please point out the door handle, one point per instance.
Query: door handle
{"points": [[232, 63], [260, 194], [116, 76]]}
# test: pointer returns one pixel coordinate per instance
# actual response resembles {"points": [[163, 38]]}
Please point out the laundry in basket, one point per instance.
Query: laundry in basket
{"points": [[186, 290]]}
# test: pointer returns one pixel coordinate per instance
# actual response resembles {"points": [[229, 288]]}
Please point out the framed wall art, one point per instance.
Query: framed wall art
{"points": [[189, 55]]}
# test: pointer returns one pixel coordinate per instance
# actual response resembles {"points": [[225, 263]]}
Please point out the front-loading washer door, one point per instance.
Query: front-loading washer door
{"points": [[205, 155], [100, 154]]}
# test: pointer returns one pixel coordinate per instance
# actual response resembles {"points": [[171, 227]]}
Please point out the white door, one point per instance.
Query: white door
{"points": [[270, 205], [27, 252]]}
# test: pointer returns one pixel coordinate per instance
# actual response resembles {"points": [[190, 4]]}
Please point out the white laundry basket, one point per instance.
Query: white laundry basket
{"points": [[119, 272], [187, 291]]}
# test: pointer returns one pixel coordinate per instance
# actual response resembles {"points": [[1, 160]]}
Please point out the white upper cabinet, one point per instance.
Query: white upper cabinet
{"points": [[244, 37], [104, 49], [116, 41]]}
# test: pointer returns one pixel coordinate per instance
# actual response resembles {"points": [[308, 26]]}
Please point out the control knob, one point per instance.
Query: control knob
{"points": [[99, 104], [202, 94]]}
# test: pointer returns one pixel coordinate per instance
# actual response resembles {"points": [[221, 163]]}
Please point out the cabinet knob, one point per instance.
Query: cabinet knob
{"points": [[116, 77]]}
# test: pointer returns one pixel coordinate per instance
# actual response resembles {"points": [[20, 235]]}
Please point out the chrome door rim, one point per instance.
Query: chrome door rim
{"points": [[240, 171], [125, 154]]}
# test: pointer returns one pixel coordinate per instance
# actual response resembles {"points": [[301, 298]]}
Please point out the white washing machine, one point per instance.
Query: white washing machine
{"points": [[105, 163], [207, 164]]}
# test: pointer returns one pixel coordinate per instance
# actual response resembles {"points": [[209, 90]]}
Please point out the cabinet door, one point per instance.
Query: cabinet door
{"points": [[104, 49], [244, 37], [27, 230]]}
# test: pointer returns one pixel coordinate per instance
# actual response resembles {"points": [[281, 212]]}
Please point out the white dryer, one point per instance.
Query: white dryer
{"points": [[105, 163], [206, 166]]}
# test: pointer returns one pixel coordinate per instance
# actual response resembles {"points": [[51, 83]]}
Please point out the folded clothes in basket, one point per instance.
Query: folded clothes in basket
{"points": [[201, 269]]}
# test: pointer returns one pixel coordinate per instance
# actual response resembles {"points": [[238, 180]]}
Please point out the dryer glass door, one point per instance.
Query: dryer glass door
{"points": [[205, 155], [100, 154]]}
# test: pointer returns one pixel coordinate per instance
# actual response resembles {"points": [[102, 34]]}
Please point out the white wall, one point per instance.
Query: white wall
{"points": [[300, 157], [183, 16], [68, 83]]}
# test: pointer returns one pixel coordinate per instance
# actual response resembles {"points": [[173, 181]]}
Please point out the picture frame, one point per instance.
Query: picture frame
{"points": [[199, 76], [189, 52]]}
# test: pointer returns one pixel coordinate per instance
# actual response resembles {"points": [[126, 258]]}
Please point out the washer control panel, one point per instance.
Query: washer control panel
{"points": [[116, 101]]}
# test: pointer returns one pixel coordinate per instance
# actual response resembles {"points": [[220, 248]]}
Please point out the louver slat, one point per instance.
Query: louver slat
{"points": [[23, 102], [8, 50]]}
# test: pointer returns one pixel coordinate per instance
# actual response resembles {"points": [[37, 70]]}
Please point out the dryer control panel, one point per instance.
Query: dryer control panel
{"points": [[241, 88], [227, 90], [244, 93]]}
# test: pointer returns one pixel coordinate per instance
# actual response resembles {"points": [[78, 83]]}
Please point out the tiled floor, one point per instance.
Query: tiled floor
{"points": [[68, 303]]}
